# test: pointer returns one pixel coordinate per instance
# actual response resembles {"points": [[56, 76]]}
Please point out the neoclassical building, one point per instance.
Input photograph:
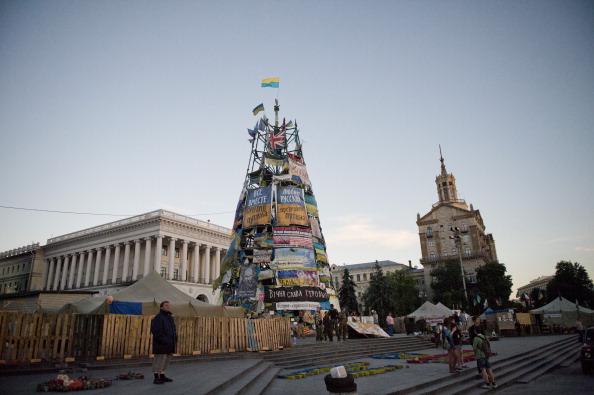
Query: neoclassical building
{"points": [[469, 243], [106, 258]]}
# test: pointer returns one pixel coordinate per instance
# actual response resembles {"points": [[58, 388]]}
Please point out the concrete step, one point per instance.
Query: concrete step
{"points": [[228, 379], [259, 386], [248, 380]]}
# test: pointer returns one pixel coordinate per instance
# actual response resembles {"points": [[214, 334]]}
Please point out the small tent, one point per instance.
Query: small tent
{"points": [[429, 312], [446, 310], [563, 312], [144, 297]]}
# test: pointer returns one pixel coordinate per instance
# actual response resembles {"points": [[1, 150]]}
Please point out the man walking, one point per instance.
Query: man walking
{"points": [[164, 342]]}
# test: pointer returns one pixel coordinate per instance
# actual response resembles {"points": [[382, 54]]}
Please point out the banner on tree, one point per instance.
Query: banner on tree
{"points": [[290, 206], [257, 207], [295, 294], [294, 258], [298, 172], [291, 236], [297, 277]]}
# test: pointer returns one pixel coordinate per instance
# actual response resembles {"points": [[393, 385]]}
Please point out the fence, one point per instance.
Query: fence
{"points": [[31, 337]]}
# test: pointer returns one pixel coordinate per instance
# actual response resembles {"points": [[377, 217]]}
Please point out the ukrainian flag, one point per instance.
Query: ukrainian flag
{"points": [[259, 107], [270, 82]]}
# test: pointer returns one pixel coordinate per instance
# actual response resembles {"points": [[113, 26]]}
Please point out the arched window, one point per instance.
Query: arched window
{"points": [[429, 231]]}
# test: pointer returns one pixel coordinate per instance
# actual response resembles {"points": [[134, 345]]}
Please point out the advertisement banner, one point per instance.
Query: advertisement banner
{"points": [[294, 258], [290, 206], [298, 172], [297, 305], [291, 236], [297, 277], [257, 207], [248, 282], [295, 294]]}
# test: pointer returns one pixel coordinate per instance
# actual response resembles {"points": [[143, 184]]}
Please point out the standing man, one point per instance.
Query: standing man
{"points": [[390, 323], [342, 324], [472, 332], [164, 342], [375, 317], [327, 326], [580, 330], [319, 326], [333, 320], [463, 320]]}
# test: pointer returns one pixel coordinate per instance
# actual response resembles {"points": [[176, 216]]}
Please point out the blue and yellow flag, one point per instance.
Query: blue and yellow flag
{"points": [[259, 107], [270, 82]]}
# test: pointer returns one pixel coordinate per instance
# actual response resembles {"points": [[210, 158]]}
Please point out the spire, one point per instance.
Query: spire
{"points": [[443, 169]]}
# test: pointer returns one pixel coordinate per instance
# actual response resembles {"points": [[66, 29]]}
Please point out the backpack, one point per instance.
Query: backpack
{"points": [[486, 347]]}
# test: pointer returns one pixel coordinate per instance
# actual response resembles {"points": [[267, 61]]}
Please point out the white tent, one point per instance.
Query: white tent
{"points": [[562, 311], [446, 310], [429, 312]]}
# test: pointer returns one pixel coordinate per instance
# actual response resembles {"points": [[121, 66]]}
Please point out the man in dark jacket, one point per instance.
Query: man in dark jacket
{"points": [[164, 342]]}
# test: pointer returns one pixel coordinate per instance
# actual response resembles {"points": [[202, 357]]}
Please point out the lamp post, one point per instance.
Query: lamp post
{"points": [[458, 239]]}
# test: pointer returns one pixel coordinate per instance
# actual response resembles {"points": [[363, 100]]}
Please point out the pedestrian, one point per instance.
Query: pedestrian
{"points": [[457, 338], [327, 327], [482, 360], [164, 342], [580, 330], [333, 320], [301, 326], [472, 331], [390, 323], [449, 342], [463, 320], [318, 316], [343, 318], [375, 317]]}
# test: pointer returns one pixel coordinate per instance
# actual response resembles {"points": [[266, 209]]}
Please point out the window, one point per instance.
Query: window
{"points": [[431, 243], [453, 241], [432, 255], [364, 276], [177, 252], [454, 251], [445, 252], [464, 226], [176, 274], [443, 241], [164, 251], [472, 278], [336, 280], [359, 294], [441, 228], [358, 277], [465, 239], [163, 272], [467, 251], [429, 231]]}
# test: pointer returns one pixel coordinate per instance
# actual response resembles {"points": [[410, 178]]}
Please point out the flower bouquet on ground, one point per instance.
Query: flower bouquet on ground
{"points": [[63, 383]]}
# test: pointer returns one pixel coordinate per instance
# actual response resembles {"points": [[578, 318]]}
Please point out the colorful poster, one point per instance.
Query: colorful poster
{"points": [[314, 224], [290, 206], [248, 282], [298, 172], [297, 277], [295, 294], [294, 258], [262, 256], [257, 207], [291, 236]]}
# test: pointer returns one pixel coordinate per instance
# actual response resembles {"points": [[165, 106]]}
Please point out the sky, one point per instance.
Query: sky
{"points": [[121, 108]]}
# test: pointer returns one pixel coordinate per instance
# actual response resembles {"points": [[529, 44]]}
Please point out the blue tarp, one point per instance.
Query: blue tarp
{"points": [[131, 308]]}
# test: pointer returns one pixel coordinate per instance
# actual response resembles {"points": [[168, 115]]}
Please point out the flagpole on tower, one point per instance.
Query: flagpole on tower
{"points": [[276, 109]]}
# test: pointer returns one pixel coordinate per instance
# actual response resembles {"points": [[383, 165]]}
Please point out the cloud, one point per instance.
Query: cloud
{"points": [[360, 230], [585, 249]]}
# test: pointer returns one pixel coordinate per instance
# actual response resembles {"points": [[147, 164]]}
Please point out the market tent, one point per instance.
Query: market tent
{"points": [[145, 296], [563, 312], [430, 313], [446, 310]]}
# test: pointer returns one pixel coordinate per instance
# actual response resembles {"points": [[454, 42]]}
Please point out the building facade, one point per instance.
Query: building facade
{"points": [[16, 268], [453, 231], [540, 282], [106, 258]]}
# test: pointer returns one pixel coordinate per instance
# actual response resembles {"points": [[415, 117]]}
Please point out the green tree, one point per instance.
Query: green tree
{"points": [[347, 295], [447, 284], [493, 284], [403, 292], [377, 296], [571, 281]]}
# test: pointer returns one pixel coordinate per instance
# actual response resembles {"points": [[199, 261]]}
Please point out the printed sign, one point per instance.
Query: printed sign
{"points": [[257, 207], [297, 277], [290, 206], [295, 294], [291, 236], [248, 282], [298, 172], [297, 305], [262, 256], [294, 258]]}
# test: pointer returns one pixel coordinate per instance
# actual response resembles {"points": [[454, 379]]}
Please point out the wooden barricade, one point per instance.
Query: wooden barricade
{"points": [[32, 337]]}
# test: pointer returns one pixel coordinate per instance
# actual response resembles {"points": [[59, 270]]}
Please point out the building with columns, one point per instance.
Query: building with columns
{"points": [[106, 258], [470, 244]]}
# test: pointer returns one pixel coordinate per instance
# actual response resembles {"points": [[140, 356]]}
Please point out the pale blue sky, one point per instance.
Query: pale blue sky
{"points": [[128, 107]]}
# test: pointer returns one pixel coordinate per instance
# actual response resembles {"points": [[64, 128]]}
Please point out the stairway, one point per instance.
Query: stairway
{"points": [[521, 368]]}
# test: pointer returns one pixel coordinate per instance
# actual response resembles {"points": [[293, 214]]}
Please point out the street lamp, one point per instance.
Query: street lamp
{"points": [[458, 239]]}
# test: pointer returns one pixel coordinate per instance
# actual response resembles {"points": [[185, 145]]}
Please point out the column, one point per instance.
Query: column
{"points": [[72, 270], [89, 265], [116, 264], [158, 252], [81, 264], [126, 261], [50, 274], [196, 259], [147, 256], [184, 261], [57, 275], [106, 265], [45, 269], [171, 259], [218, 262], [207, 265], [97, 267], [64, 272], [136, 260]]}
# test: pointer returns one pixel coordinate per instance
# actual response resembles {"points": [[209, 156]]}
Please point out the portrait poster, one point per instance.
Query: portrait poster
{"points": [[257, 207], [290, 206], [248, 281]]}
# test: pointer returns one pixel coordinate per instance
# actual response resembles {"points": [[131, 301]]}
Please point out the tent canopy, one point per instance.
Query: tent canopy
{"points": [[562, 311], [150, 291], [429, 310]]}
